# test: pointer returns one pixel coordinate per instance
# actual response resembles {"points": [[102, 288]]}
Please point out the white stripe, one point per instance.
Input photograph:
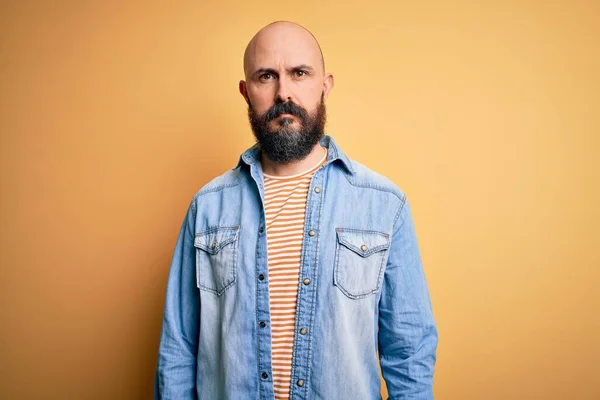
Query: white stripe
{"points": [[270, 183], [292, 257], [286, 218], [284, 318], [284, 346], [294, 244], [284, 351], [281, 273], [297, 192], [279, 281], [290, 286], [289, 220], [286, 372], [296, 223], [285, 302], [286, 195], [281, 306], [281, 374], [281, 340], [270, 239], [285, 274], [285, 311], [280, 331], [294, 232], [278, 202], [293, 220], [290, 248], [286, 266], [286, 187], [293, 209], [282, 236]]}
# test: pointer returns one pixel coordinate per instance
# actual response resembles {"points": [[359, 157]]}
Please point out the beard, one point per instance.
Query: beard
{"points": [[286, 143]]}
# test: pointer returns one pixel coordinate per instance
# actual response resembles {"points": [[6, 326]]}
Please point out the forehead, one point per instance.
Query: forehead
{"points": [[282, 48]]}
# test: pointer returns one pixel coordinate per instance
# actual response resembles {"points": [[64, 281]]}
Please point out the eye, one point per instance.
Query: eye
{"points": [[300, 73], [266, 76]]}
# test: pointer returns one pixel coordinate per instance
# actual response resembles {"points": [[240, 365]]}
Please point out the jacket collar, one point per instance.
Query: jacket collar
{"points": [[252, 155]]}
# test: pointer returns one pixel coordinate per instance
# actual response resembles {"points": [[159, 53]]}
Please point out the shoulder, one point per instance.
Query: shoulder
{"points": [[368, 178], [228, 179]]}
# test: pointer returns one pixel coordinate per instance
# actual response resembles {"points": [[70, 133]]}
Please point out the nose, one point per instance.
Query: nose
{"points": [[283, 90]]}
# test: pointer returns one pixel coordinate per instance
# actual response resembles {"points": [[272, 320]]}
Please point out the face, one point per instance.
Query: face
{"points": [[285, 89]]}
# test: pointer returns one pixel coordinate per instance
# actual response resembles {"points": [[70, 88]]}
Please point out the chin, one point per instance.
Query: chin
{"points": [[286, 129]]}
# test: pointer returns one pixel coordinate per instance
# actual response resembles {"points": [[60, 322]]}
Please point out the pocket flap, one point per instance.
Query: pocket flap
{"points": [[363, 243], [213, 240]]}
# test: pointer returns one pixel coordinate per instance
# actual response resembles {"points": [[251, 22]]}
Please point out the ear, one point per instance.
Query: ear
{"points": [[244, 91], [327, 84]]}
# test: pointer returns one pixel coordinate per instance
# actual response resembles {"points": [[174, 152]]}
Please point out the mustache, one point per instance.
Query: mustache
{"points": [[285, 108]]}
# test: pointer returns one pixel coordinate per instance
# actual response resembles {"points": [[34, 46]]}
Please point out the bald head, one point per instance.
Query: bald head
{"points": [[283, 41], [284, 67]]}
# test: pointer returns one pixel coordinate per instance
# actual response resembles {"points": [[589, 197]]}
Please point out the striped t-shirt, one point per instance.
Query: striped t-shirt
{"points": [[285, 204]]}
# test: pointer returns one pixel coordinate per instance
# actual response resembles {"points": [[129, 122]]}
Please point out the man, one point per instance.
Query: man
{"points": [[297, 268]]}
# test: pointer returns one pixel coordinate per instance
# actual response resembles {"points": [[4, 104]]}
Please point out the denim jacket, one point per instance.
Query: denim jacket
{"points": [[362, 295]]}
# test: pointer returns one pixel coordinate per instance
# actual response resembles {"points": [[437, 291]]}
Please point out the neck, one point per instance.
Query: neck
{"points": [[272, 168]]}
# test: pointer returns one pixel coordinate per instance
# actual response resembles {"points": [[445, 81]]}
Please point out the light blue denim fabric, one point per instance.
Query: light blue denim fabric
{"points": [[362, 289]]}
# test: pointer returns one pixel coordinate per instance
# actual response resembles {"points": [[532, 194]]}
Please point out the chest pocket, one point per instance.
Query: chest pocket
{"points": [[359, 261], [216, 257]]}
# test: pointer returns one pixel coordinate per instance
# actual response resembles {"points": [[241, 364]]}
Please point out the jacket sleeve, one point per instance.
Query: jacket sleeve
{"points": [[177, 355], [407, 331]]}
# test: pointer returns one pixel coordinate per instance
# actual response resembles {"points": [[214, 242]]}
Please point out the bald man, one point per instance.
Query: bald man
{"points": [[297, 273]]}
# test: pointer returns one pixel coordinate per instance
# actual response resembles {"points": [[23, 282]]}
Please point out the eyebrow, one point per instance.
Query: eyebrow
{"points": [[261, 71]]}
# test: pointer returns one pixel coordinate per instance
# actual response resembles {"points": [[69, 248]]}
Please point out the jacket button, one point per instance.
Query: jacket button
{"points": [[261, 230], [317, 190], [311, 233], [300, 382], [213, 245], [262, 324], [363, 247], [303, 331], [306, 281], [265, 375], [261, 277]]}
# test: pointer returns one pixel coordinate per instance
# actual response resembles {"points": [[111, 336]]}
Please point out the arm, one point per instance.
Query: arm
{"points": [[407, 330], [176, 367]]}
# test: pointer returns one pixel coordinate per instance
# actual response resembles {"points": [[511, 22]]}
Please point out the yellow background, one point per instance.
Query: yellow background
{"points": [[113, 114]]}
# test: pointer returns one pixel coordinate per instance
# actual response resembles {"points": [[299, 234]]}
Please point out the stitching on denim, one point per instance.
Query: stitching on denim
{"points": [[362, 231], [218, 188], [360, 295], [256, 297], [258, 358], [381, 272], [352, 248], [355, 248], [233, 240], [400, 208], [375, 187], [191, 207], [197, 269], [360, 253], [325, 173], [212, 229]]}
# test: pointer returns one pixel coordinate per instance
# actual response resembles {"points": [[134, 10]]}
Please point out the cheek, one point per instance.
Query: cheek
{"points": [[261, 101], [310, 96]]}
